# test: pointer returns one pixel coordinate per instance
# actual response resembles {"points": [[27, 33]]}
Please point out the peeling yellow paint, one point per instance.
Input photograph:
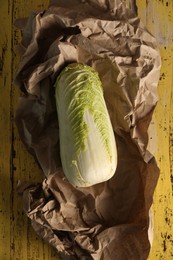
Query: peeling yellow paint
{"points": [[158, 17], [17, 239]]}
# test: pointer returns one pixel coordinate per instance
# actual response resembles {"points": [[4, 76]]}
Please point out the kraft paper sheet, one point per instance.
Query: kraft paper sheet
{"points": [[109, 220]]}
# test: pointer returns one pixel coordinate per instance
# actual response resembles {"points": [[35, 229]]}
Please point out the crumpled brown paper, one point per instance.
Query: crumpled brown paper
{"points": [[109, 220]]}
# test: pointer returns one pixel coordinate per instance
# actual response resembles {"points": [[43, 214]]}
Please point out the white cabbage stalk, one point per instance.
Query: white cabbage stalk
{"points": [[87, 143]]}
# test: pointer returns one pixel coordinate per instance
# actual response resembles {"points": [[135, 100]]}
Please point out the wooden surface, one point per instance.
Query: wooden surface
{"points": [[158, 17], [17, 239]]}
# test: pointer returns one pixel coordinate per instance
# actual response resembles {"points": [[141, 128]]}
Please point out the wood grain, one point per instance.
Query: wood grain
{"points": [[5, 132], [17, 238], [158, 18]]}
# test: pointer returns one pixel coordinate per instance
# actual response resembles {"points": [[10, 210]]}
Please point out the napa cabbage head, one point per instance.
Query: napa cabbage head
{"points": [[87, 143]]}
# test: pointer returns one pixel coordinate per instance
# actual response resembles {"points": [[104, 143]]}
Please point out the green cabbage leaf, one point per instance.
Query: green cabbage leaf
{"points": [[87, 143]]}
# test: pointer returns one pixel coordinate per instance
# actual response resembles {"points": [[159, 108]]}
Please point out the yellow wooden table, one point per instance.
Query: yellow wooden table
{"points": [[17, 239]]}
